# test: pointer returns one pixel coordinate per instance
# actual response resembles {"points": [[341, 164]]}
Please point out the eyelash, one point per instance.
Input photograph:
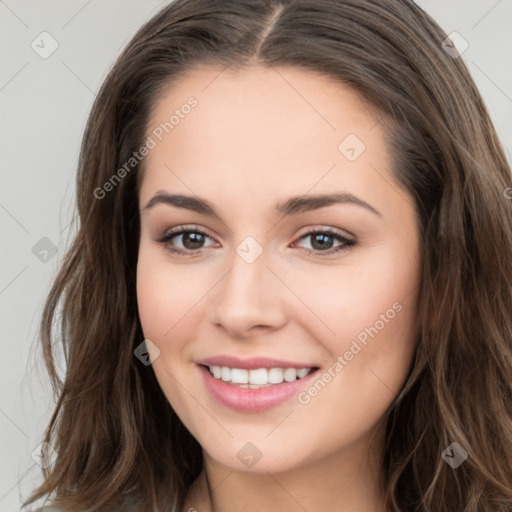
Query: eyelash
{"points": [[169, 235]]}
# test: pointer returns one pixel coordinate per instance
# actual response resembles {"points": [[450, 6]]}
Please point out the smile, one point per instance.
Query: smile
{"points": [[253, 385]]}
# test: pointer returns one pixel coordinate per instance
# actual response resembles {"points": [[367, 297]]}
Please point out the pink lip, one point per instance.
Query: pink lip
{"points": [[251, 364], [252, 400]]}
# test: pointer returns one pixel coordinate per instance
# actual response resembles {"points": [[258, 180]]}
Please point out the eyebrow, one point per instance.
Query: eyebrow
{"points": [[292, 206]]}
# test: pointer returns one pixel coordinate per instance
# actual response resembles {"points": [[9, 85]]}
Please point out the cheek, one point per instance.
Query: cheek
{"points": [[373, 313], [165, 303], [371, 296], [161, 296], [169, 298]]}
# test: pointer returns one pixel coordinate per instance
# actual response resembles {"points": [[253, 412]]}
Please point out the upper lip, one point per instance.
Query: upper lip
{"points": [[251, 363]]}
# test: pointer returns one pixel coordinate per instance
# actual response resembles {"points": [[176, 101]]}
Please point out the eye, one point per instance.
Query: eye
{"points": [[322, 242], [191, 238]]}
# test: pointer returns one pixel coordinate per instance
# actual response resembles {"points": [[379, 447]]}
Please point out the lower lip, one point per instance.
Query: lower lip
{"points": [[252, 400]]}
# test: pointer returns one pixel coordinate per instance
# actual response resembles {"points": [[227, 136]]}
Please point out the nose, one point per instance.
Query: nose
{"points": [[248, 300]]}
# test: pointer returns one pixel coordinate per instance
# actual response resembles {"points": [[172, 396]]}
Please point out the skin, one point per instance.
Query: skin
{"points": [[258, 137]]}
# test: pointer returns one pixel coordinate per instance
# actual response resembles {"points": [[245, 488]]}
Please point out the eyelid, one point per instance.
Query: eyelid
{"points": [[184, 227], [181, 229], [328, 229]]}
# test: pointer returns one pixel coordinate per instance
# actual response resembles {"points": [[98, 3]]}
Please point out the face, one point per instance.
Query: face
{"points": [[304, 310]]}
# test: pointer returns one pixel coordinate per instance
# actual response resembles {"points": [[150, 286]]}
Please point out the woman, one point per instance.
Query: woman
{"points": [[291, 285]]}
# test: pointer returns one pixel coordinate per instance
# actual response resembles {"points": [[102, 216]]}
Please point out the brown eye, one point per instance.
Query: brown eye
{"points": [[322, 242], [191, 240]]}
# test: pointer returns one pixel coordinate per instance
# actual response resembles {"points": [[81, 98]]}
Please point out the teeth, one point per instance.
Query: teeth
{"points": [[239, 376], [225, 373], [302, 372], [261, 377], [290, 374], [275, 375]]}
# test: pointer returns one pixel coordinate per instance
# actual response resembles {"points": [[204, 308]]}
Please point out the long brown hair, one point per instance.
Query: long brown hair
{"points": [[118, 439]]}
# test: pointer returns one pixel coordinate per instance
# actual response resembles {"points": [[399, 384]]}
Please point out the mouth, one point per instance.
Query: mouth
{"points": [[253, 385], [259, 377]]}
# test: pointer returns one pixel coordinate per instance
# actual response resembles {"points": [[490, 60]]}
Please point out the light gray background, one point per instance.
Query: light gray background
{"points": [[44, 107]]}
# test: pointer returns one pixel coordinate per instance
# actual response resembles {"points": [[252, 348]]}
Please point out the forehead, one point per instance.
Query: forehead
{"points": [[261, 128], [259, 101]]}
